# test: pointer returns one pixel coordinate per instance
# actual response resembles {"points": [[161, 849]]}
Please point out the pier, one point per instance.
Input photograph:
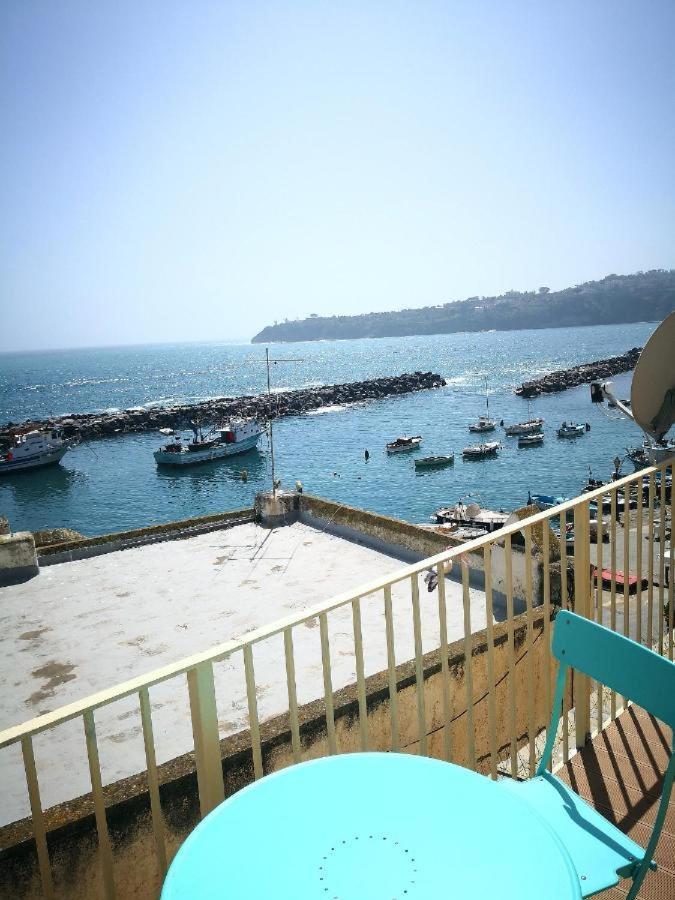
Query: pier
{"points": [[584, 373]]}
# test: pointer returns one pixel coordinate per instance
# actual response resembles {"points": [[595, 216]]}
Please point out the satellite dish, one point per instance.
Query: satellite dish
{"points": [[652, 393]]}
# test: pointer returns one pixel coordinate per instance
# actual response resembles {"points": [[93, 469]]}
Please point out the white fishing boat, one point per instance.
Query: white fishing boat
{"points": [[33, 450], [572, 430], [236, 437], [404, 444], [531, 440], [481, 451], [470, 515], [530, 426], [484, 423]]}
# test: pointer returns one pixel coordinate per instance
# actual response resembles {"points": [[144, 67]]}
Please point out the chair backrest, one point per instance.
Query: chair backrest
{"points": [[618, 663]]}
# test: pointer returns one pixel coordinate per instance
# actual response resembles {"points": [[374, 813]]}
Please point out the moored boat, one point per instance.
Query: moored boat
{"points": [[484, 423], [470, 515], [522, 428], [572, 429], [403, 444], [238, 436], [481, 451], [531, 440], [33, 450], [434, 462]]}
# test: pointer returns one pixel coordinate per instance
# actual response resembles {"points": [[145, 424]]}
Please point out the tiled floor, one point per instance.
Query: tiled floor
{"points": [[621, 774]]}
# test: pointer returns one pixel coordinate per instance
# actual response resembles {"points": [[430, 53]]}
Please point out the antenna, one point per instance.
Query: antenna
{"points": [[269, 395]]}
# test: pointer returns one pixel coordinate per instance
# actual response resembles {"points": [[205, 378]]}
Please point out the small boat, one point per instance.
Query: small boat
{"points": [[481, 451], [470, 515], [238, 436], [484, 423], [531, 440], [531, 425], [167, 432], [33, 450], [434, 462], [403, 444], [571, 430]]}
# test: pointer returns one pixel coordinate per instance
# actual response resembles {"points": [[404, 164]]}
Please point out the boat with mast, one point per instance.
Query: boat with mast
{"points": [[33, 449], [532, 425], [484, 423]]}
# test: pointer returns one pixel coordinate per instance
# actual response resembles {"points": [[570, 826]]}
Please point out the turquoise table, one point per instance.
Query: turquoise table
{"points": [[372, 826]]}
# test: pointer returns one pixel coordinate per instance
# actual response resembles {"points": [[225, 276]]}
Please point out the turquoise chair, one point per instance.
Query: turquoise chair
{"points": [[600, 852]]}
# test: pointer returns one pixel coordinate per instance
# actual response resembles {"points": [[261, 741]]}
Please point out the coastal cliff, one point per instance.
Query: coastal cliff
{"points": [[642, 297], [262, 407]]}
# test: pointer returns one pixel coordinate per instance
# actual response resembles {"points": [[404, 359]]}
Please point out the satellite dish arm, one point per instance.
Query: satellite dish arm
{"points": [[606, 392]]}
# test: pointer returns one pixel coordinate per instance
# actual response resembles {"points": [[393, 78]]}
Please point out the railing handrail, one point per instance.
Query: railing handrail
{"points": [[221, 651]]}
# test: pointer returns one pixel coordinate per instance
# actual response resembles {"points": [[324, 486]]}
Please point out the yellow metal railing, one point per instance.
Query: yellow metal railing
{"points": [[589, 600]]}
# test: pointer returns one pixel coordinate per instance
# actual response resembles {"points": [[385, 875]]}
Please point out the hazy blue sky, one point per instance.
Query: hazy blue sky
{"points": [[184, 170]]}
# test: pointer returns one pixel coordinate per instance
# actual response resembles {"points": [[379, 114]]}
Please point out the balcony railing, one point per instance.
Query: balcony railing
{"points": [[565, 575]]}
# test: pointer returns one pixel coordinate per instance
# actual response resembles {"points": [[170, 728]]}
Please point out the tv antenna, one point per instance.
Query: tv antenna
{"points": [[269, 396]]}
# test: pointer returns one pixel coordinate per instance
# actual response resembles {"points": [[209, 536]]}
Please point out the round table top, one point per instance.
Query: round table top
{"points": [[372, 826]]}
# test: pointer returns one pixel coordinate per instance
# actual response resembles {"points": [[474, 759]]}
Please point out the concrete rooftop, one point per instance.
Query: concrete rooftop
{"points": [[83, 626]]}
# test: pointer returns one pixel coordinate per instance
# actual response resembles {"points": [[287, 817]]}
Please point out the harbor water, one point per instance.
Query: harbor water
{"points": [[114, 484]]}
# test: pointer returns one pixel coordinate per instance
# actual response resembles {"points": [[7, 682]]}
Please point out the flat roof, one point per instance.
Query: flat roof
{"points": [[83, 626]]}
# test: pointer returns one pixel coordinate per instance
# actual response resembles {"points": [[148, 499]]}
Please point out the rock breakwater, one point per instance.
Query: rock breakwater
{"points": [[599, 370], [215, 411]]}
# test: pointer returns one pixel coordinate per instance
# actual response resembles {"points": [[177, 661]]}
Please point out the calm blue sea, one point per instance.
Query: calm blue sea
{"points": [[114, 484]]}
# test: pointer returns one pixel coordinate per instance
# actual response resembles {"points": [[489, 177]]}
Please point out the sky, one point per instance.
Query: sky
{"points": [[194, 171]]}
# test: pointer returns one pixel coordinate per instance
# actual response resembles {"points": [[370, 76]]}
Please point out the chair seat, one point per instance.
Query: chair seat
{"points": [[601, 854]]}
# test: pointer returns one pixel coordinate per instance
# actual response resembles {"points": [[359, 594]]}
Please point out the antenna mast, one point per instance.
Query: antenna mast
{"points": [[269, 396]]}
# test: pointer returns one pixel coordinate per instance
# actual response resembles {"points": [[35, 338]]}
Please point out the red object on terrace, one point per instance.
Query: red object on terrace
{"points": [[618, 578]]}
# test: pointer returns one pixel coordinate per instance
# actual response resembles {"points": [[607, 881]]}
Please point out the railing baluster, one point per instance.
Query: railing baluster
{"points": [[564, 601], [530, 647], [204, 714], [292, 693], [600, 610], [548, 656], [105, 849], [391, 667], [327, 684], [468, 665], [445, 675], [360, 673], [153, 780], [662, 555], [489, 619], [419, 664], [39, 832], [511, 654], [650, 559], [582, 606], [612, 583], [626, 564], [254, 723]]}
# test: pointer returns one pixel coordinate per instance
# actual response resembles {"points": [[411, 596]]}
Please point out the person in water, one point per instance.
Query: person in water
{"points": [[366, 456]]}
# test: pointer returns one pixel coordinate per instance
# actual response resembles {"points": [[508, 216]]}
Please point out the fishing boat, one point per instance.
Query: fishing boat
{"points": [[530, 426], [481, 451], [484, 423], [531, 440], [572, 430], [33, 450], [238, 436], [470, 515], [434, 462], [404, 444]]}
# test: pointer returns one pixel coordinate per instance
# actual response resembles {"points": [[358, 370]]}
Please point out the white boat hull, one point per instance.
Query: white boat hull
{"points": [[46, 458], [219, 451]]}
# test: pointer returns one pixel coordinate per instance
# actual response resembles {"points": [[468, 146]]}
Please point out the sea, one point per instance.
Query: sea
{"points": [[114, 484]]}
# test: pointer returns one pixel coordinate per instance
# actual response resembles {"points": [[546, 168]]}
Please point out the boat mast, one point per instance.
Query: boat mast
{"points": [[487, 399], [269, 397]]}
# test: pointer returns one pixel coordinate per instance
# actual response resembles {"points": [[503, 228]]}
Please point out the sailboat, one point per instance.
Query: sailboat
{"points": [[484, 423], [531, 426]]}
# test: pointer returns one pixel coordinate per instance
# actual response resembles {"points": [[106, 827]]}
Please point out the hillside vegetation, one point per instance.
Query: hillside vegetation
{"points": [[642, 297]]}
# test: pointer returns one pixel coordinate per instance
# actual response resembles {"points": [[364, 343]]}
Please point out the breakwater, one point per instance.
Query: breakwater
{"points": [[584, 373], [214, 411]]}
